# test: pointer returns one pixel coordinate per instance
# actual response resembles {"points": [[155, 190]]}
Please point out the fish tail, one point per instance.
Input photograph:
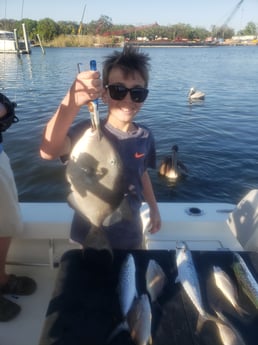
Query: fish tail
{"points": [[97, 239], [96, 248], [200, 322], [217, 320], [208, 317], [241, 311], [123, 326]]}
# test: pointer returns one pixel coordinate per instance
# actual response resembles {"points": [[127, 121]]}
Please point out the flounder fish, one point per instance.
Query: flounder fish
{"points": [[95, 175]]}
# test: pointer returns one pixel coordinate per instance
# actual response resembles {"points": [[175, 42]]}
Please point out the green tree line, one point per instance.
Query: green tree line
{"points": [[48, 29]]}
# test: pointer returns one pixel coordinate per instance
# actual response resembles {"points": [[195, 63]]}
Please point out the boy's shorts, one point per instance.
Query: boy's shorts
{"points": [[10, 214]]}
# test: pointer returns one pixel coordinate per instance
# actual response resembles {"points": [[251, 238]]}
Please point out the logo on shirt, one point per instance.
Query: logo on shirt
{"points": [[138, 155]]}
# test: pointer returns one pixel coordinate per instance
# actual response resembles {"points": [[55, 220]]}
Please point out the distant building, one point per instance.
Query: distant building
{"points": [[244, 38]]}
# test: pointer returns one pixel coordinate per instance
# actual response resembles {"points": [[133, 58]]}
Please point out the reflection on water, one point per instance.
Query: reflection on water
{"points": [[217, 137]]}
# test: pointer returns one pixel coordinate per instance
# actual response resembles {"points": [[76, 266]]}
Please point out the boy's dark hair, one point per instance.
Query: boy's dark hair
{"points": [[129, 60], [10, 117]]}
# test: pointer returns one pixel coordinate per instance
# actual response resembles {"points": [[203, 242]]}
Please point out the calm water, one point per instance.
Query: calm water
{"points": [[217, 139]]}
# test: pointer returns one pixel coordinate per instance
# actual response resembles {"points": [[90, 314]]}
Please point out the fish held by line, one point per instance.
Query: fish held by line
{"points": [[95, 174]]}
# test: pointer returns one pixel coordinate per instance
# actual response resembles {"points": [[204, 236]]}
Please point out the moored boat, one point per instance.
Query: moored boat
{"points": [[8, 43]]}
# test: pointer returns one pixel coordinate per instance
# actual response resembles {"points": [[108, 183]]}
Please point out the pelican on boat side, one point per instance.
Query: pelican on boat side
{"points": [[171, 167], [195, 95]]}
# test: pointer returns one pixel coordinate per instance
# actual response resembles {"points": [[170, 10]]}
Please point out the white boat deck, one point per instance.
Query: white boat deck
{"points": [[201, 225], [204, 226], [26, 328]]}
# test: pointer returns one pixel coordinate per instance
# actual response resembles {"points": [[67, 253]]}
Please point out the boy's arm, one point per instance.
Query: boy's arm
{"points": [[86, 87], [149, 197]]}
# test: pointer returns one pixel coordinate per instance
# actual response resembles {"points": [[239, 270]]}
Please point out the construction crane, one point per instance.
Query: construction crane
{"points": [[236, 8], [81, 22], [224, 26]]}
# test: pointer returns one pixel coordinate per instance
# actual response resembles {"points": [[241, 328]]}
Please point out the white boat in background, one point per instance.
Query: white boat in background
{"points": [[211, 227], [8, 42]]}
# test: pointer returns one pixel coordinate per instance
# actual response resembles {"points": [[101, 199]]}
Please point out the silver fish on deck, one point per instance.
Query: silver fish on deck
{"points": [[246, 279], [228, 333], [126, 289], [188, 278], [127, 293], [95, 174], [227, 287], [155, 280], [139, 320]]}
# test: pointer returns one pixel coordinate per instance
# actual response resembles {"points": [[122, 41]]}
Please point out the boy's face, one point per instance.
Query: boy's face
{"points": [[122, 111]]}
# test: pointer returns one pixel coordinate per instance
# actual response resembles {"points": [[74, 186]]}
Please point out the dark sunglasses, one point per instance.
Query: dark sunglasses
{"points": [[118, 92]]}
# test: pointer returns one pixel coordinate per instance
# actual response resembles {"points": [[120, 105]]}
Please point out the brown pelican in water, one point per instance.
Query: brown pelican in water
{"points": [[171, 167], [195, 95]]}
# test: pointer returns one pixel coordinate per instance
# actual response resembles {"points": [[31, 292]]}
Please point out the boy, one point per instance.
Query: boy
{"points": [[124, 90], [10, 221]]}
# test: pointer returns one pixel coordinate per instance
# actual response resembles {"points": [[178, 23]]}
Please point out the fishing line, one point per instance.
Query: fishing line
{"points": [[22, 9]]}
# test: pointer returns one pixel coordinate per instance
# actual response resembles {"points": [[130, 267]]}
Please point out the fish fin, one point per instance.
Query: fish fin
{"points": [[97, 239], [156, 280], [241, 311], [97, 252], [215, 319], [200, 322], [125, 209], [123, 326], [208, 317]]}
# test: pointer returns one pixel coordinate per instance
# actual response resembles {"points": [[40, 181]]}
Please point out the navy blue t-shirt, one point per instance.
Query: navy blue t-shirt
{"points": [[137, 151]]}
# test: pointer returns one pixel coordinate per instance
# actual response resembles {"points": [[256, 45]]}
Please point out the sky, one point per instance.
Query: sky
{"points": [[201, 13]]}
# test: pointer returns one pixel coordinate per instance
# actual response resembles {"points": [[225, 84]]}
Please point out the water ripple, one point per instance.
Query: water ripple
{"points": [[217, 138]]}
